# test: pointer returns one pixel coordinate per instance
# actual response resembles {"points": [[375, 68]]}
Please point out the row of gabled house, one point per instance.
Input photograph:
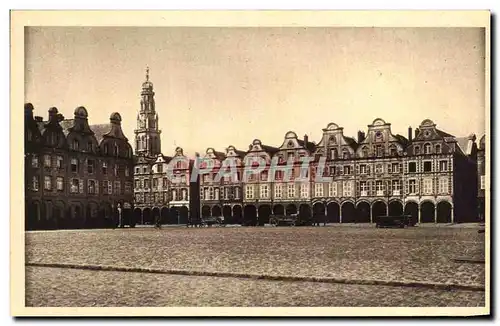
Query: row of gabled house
{"points": [[430, 175]]}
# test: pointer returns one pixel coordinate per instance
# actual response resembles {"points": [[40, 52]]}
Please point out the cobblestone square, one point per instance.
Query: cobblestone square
{"points": [[358, 255]]}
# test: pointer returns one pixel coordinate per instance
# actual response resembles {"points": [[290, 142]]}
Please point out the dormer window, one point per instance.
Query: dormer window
{"points": [[90, 146], [116, 150], [438, 149], [364, 152], [380, 151], [76, 144], [345, 154], [393, 151], [427, 149], [333, 154], [417, 150]]}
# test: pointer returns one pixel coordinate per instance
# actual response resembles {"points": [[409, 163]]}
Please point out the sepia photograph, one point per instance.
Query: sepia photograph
{"points": [[241, 160]]}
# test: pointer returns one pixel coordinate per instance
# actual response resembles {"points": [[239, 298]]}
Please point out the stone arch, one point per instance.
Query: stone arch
{"points": [[411, 209], [278, 209], [183, 215], [305, 214], [92, 220], [138, 215], [250, 215], [237, 214], [333, 212], [206, 211], [348, 212], [216, 211], [379, 208], [60, 214], [48, 220], [291, 209], [147, 216], [444, 212], [164, 213], [427, 212], [226, 212], [319, 211], [106, 215], [77, 215], [33, 215], [363, 212], [395, 208], [264, 213]]}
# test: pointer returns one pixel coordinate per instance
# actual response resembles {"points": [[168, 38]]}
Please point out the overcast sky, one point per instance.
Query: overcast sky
{"points": [[217, 87]]}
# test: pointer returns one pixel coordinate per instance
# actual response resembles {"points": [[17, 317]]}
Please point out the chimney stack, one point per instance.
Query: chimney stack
{"points": [[361, 136], [306, 139], [410, 133]]}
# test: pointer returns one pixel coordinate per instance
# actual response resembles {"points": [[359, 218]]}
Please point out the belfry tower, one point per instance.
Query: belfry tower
{"points": [[147, 134]]}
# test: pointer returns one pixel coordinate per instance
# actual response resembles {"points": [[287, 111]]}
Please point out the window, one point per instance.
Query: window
{"points": [[183, 179], [443, 166], [395, 167], [249, 192], [90, 166], [145, 169], [34, 161], [263, 176], [178, 165], [116, 150], [226, 193], [118, 185], [216, 193], [417, 150], [116, 167], [347, 170], [345, 154], [74, 165], [412, 167], [105, 186], [427, 186], [75, 186], [155, 183], [332, 189], [380, 151], [237, 193], [379, 169], [364, 151], [412, 187], [34, 183], [290, 190], [165, 183], [483, 182], [110, 187], [304, 190], [347, 187], [184, 194], [137, 184], [159, 168], [332, 170], [443, 185], [427, 149], [379, 186], [333, 153], [362, 169], [278, 191], [396, 187], [60, 162], [47, 183], [264, 191], [60, 183], [364, 188], [427, 166], [291, 156], [46, 161], [127, 172], [318, 190], [393, 151], [136, 169], [76, 144], [91, 187], [146, 184], [438, 149], [90, 146], [106, 149]]}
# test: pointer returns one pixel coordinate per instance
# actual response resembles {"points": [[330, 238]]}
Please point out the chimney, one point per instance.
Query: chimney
{"points": [[306, 139], [410, 133], [361, 136], [417, 131]]}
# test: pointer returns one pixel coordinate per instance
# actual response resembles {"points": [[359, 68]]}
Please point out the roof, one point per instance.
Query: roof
{"points": [[220, 155], [465, 144], [271, 150], [443, 134], [310, 146], [66, 124], [401, 139], [240, 153], [100, 130], [351, 142]]}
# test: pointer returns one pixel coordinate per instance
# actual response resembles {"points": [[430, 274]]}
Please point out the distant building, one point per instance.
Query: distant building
{"points": [[481, 172], [76, 174]]}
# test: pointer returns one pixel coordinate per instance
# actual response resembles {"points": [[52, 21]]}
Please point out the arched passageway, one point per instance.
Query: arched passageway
{"points": [[395, 208], [319, 211], [291, 209], [333, 212], [205, 211], [444, 212], [264, 213], [278, 209], [363, 212], [427, 212], [348, 212], [184, 215], [379, 208], [250, 215], [411, 209], [237, 214], [305, 214]]}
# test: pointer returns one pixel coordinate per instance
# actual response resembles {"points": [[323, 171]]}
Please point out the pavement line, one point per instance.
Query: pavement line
{"points": [[435, 286]]}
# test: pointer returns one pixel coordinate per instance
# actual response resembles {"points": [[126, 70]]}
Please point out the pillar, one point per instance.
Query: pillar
{"points": [[435, 213], [371, 215], [419, 215], [326, 215], [452, 217]]}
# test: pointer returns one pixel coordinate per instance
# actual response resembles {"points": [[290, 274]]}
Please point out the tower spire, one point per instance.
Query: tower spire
{"points": [[147, 73]]}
